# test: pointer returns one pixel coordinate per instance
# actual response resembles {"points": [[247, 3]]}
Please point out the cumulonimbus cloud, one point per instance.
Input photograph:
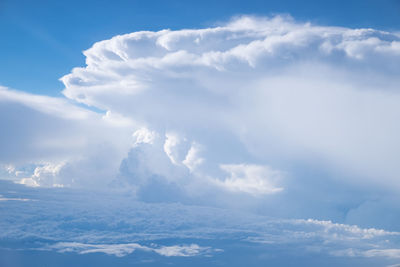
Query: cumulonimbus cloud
{"points": [[241, 108], [267, 90]]}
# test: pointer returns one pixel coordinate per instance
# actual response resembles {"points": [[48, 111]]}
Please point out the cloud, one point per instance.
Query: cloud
{"points": [[334, 236], [144, 136], [193, 157], [121, 250], [58, 107], [13, 199], [173, 147], [49, 141], [273, 115], [66, 220], [275, 89], [181, 251], [44, 175], [252, 179], [387, 253], [118, 250], [343, 231]]}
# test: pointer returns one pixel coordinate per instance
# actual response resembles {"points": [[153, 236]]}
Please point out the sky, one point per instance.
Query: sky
{"points": [[218, 134]]}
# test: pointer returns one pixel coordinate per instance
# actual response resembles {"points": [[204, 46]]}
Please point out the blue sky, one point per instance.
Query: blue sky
{"points": [[218, 134], [43, 40]]}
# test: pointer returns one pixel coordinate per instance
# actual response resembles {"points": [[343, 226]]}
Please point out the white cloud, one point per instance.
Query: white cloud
{"points": [[117, 119], [391, 253], [144, 136], [118, 250], [345, 231], [121, 250], [181, 251], [45, 175], [284, 90], [260, 97], [13, 199], [58, 107], [52, 142], [173, 147], [10, 168], [301, 116], [193, 158], [252, 179], [386, 253]]}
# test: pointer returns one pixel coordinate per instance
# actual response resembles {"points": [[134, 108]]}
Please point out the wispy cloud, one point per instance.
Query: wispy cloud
{"points": [[121, 250]]}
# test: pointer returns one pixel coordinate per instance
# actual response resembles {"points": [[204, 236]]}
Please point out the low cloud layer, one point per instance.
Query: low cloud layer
{"points": [[83, 222]]}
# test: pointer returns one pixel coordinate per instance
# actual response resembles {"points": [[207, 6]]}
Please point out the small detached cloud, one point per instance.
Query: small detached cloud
{"points": [[118, 250], [182, 251], [121, 250]]}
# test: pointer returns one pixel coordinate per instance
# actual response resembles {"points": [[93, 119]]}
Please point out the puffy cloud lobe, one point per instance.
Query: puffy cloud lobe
{"points": [[173, 160], [193, 157], [44, 176], [253, 179], [145, 136], [175, 148]]}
